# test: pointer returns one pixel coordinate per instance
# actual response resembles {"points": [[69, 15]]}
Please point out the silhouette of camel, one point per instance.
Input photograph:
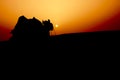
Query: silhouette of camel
{"points": [[29, 32]]}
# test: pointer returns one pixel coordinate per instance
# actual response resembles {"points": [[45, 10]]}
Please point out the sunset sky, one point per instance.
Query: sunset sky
{"points": [[67, 16]]}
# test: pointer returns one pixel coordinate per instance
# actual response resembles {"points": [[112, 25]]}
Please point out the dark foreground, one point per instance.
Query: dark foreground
{"points": [[96, 52], [78, 42], [88, 41]]}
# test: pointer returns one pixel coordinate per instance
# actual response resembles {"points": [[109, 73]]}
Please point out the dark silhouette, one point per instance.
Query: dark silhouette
{"points": [[48, 26], [31, 47], [31, 33], [31, 44]]}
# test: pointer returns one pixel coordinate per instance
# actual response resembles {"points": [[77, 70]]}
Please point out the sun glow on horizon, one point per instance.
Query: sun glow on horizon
{"points": [[71, 15]]}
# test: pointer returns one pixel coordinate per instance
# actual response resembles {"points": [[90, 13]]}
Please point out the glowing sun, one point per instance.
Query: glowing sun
{"points": [[56, 25]]}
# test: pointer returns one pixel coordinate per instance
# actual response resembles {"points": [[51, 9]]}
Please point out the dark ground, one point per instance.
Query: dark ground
{"points": [[96, 52], [88, 41], [77, 42]]}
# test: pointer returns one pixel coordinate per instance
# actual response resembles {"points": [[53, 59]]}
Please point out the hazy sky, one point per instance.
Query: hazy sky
{"points": [[71, 16]]}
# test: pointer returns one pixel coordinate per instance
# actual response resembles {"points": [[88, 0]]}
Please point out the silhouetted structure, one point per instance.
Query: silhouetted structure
{"points": [[29, 32]]}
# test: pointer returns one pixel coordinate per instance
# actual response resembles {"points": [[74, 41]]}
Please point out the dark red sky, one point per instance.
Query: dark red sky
{"points": [[109, 25], [4, 33]]}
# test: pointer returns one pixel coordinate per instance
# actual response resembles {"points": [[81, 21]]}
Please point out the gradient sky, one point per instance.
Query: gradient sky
{"points": [[71, 16]]}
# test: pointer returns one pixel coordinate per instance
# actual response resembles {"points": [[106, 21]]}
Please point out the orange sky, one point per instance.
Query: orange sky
{"points": [[71, 16]]}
